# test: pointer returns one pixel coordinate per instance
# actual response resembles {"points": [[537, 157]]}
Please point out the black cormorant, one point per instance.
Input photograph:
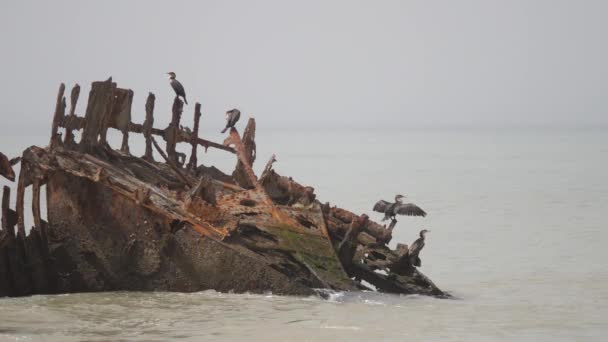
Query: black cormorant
{"points": [[6, 167], [390, 210], [178, 87], [416, 247], [232, 116]]}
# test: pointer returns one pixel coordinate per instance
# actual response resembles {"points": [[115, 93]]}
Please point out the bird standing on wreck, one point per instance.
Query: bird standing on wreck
{"points": [[6, 167], [178, 87], [416, 247], [391, 210], [232, 116]]}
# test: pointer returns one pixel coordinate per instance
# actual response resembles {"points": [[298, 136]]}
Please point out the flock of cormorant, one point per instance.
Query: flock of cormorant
{"points": [[390, 210]]}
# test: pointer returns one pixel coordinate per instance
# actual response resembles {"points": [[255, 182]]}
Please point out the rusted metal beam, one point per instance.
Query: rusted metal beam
{"points": [[249, 149], [197, 117], [206, 144], [139, 128], [235, 139], [69, 123], [171, 163], [147, 127], [58, 116]]}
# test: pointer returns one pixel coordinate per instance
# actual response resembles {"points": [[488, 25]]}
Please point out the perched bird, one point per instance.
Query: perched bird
{"points": [[416, 247], [6, 167], [232, 116], [390, 210], [178, 87]]}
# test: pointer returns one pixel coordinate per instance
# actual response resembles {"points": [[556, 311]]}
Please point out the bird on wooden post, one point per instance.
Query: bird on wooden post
{"points": [[178, 87], [232, 116], [391, 210], [416, 247]]}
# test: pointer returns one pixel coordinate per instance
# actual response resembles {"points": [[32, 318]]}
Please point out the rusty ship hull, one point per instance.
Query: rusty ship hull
{"points": [[120, 222]]}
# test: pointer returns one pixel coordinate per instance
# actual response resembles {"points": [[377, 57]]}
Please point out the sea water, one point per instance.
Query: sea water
{"points": [[518, 221]]}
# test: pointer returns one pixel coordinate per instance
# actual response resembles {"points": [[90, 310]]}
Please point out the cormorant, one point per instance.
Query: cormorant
{"points": [[416, 247], [178, 87], [6, 167], [390, 210], [232, 116]]}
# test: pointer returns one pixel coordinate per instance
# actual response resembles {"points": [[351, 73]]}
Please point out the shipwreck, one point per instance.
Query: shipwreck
{"points": [[116, 221]]}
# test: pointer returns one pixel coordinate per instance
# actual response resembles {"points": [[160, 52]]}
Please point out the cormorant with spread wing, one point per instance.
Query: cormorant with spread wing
{"points": [[178, 87], [416, 247], [232, 116], [391, 210]]}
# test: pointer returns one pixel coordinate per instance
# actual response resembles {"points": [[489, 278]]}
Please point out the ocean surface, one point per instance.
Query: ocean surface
{"points": [[519, 229]]}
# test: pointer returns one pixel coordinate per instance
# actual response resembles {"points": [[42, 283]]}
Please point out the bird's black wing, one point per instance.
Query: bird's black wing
{"points": [[415, 260], [381, 206], [6, 168], [409, 209], [234, 117], [416, 247], [237, 116], [178, 87]]}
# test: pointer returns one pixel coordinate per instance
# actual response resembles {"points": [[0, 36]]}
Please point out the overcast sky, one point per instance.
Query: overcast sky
{"points": [[386, 63]]}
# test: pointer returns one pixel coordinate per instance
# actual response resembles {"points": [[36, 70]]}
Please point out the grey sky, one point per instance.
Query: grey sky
{"points": [[316, 62]]}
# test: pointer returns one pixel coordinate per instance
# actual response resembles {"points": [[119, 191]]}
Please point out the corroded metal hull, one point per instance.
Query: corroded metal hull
{"points": [[120, 222]]}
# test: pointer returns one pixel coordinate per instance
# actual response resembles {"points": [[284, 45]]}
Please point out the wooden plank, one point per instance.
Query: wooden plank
{"points": [[197, 117], [69, 123], [100, 103], [58, 116], [20, 201], [172, 132], [7, 226], [112, 177], [36, 212], [147, 126]]}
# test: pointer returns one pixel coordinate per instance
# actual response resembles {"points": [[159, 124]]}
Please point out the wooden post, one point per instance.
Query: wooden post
{"points": [[107, 114], [125, 120], [100, 103], [20, 202], [58, 116], [147, 129], [36, 211], [69, 136], [120, 115], [171, 134], [6, 226], [197, 117]]}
